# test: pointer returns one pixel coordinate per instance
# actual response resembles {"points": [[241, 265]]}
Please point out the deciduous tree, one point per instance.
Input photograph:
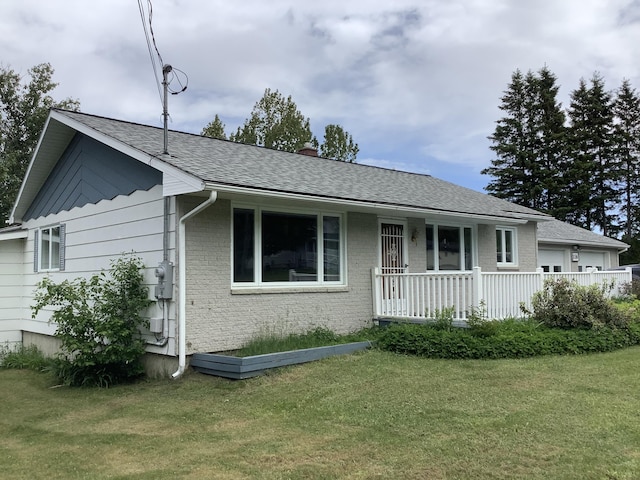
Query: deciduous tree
{"points": [[275, 122]]}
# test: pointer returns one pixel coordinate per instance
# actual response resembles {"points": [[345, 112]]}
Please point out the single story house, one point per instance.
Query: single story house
{"points": [[237, 239]]}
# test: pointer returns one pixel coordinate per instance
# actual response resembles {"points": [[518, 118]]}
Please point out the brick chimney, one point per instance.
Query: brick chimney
{"points": [[308, 150]]}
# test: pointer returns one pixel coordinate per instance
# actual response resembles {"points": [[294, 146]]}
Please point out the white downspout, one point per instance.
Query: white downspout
{"points": [[182, 283]]}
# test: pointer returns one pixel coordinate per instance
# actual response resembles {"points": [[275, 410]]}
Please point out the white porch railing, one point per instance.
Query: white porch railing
{"points": [[421, 295]]}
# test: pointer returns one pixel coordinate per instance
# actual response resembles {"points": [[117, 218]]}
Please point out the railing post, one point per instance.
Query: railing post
{"points": [[477, 287], [375, 292], [540, 272]]}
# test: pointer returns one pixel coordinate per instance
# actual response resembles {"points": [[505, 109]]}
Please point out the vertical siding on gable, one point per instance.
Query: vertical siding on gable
{"points": [[88, 172]]}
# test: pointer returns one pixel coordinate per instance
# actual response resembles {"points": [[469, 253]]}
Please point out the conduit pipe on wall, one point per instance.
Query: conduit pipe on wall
{"points": [[164, 339], [182, 282]]}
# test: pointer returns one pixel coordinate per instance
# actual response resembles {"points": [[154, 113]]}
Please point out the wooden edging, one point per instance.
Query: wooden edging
{"points": [[239, 368]]}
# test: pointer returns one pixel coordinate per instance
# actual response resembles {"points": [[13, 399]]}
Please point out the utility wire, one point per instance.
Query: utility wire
{"points": [[150, 48]]}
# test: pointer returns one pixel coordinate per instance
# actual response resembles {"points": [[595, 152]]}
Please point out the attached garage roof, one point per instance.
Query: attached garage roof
{"points": [[559, 232]]}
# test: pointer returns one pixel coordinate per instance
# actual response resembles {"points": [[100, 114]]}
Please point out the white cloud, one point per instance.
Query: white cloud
{"points": [[416, 83]]}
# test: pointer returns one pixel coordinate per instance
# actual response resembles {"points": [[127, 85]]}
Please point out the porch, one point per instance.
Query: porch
{"points": [[419, 296]]}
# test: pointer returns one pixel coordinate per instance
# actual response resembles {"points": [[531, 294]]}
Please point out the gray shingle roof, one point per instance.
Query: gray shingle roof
{"points": [[556, 231], [232, 164]]}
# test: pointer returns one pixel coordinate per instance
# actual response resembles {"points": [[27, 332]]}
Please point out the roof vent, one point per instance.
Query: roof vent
{"points": [[308, 150]]}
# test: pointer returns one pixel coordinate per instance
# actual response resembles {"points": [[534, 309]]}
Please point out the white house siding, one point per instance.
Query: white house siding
{"points": [[219, 319], [11, 290], [96, 234]]}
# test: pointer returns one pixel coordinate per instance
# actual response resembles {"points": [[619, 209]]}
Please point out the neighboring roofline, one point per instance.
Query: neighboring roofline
{"points": [[240, 190]]}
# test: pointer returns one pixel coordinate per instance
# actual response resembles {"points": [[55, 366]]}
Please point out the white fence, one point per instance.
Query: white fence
{"points": [[421, 295]]}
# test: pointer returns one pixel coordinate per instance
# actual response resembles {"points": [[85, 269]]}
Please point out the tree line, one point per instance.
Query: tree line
{"points": [[580, 164]]}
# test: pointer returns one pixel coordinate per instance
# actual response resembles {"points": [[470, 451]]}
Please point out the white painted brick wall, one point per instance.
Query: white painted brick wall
{"points": [[219, 320]]}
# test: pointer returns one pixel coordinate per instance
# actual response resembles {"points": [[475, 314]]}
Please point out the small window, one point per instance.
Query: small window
{"points": [[49, 249], [506, 246]]}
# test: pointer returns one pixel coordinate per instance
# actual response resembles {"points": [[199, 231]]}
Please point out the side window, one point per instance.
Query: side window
{"points": [[49, 248], [506, 252]]}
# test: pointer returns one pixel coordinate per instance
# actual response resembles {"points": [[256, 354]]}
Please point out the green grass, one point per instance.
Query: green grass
{"points": [[364, 416]]}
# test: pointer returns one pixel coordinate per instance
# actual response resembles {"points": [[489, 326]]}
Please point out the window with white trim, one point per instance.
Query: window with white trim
{"points": [[449, 247], [506, 242], [272, 247], [49, 248]]}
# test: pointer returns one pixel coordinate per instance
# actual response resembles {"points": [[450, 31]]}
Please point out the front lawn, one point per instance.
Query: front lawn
{"points": [[369, 415]]}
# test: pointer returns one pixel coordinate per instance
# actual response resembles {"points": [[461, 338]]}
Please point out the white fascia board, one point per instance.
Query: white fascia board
{"points": [[194, 184], [12, 216], [587, 243], [14, 235], [398, 209]]}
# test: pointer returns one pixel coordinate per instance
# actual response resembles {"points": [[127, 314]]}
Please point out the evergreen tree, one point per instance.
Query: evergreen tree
{"points": [[550, 147], [528, 143], [511, 176], [593, 170], [215, 129], [626, 108]]}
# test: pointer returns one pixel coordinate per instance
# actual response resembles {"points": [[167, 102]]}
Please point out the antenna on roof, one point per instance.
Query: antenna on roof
{"points": [[166, 69]]}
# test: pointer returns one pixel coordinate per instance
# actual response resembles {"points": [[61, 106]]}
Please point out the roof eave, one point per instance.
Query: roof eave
{"points": [[623, 248], [379, 206]]}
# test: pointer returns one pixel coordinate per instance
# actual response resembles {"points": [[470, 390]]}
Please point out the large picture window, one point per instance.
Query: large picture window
{"points": [[271, 247], [449, 247]]}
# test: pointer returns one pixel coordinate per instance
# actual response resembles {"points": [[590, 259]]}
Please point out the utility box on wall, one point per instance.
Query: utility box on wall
{"points": [[164, 287]]}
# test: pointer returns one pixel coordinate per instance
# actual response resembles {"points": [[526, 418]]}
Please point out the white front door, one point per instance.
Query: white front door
{"points": [[392, 263]]}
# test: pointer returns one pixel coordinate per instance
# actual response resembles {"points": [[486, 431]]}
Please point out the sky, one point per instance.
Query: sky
{"points": [[416, 83]]}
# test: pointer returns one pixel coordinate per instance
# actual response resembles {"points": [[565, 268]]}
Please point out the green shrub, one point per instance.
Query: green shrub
{"points": [[98, 322], [631, 289], [510, 339], [479, 323], [565, 304], [444, 318]]}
